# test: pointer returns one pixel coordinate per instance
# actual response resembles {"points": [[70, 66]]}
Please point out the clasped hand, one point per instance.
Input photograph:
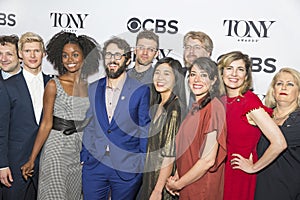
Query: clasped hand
{"points": [[171, 185], [27, 169]]}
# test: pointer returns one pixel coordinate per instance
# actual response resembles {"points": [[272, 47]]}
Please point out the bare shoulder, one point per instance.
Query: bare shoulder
{"points": [[51, 87]]}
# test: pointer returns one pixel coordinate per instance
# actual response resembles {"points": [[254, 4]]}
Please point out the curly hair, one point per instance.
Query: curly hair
{"points": [[89, 46]]}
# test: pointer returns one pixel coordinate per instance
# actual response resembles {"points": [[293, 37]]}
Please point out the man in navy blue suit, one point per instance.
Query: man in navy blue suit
{"points": [[9, 63], [20, 113], [115, 141]]}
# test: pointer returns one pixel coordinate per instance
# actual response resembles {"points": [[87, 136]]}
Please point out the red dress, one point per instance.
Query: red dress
{"points": [[190, 141], [242, 138]]}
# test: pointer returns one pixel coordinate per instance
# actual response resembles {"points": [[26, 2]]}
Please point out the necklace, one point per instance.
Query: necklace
{"points": [[279, 118], [237, 99]]}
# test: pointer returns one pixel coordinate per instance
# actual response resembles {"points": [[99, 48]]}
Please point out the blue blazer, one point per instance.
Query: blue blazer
{"points": [[18, 127], [127, 133]]}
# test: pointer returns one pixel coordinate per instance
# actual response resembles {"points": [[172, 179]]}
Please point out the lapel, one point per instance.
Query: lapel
{"points": [[22, 86], [100, 105], [46, 78]]}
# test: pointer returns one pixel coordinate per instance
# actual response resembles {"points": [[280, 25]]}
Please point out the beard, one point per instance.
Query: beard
{"points": [[116, 74]]}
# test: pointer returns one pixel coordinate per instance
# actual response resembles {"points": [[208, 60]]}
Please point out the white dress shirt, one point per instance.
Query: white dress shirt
{"points": [[35, 84]]}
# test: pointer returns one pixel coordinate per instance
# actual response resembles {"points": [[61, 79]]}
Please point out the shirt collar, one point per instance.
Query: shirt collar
{"points": [[29, 76], [120, 83], [6, 75]]}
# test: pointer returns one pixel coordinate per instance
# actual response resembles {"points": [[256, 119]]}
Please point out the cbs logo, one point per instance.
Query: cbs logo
{"points": [[7, 19], [156, 25]]}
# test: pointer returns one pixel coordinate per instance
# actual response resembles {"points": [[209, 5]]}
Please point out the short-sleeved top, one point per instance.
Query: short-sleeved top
{"points": [[190, 142], [242, 138]]}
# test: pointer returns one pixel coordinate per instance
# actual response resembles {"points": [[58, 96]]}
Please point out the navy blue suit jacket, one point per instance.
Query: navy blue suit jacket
{"points": [[127, 133], [18, 127]]}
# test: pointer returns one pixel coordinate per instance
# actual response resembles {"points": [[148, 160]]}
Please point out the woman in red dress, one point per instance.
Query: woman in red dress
{"points": [[246, 118], [201, 139]]}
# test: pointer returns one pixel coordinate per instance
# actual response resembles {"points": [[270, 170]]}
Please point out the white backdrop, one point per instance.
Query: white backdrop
{"points": [[268, 31]]}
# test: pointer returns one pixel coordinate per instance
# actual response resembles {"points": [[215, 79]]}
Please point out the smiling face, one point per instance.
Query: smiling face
{"points": [[114, 67], [199, 82], [285, 89], [234, 76], [72, 57], [9, 61], [164, 78]]}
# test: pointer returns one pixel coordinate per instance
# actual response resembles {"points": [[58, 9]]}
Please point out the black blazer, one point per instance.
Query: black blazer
{"points": [[18, 127]]}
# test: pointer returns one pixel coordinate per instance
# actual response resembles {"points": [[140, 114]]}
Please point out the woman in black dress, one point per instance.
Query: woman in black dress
{"points": [[281, 179]]}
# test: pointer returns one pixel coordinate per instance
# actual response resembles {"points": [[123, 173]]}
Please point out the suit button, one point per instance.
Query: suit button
{"points": [[108, 131]]}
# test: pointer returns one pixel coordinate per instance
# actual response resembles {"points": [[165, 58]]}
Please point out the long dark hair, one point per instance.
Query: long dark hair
{"points": [[178, 89]]}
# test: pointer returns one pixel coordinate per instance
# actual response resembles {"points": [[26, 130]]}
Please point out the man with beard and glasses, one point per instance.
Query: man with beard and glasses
{"points": [[196, 44], [146, 50], [115, 141]]}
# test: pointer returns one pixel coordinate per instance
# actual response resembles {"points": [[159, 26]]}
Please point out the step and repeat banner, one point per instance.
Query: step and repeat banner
{"points": [[268, 31]]}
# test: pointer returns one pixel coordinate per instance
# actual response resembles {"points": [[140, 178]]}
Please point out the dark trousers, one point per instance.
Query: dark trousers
{"points": [[20, 191]]}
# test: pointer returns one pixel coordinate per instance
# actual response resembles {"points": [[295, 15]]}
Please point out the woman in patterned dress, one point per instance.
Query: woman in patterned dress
{"points": [[65, 104]]}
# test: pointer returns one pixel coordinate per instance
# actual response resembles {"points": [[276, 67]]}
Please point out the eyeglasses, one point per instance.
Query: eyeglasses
{"points": [[149, 49], [194, 48], [117, 56]]}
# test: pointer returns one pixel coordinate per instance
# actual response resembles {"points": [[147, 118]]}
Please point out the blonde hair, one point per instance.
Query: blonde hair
{"points": [[202, 37], [270, 100], [30, 37]]}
